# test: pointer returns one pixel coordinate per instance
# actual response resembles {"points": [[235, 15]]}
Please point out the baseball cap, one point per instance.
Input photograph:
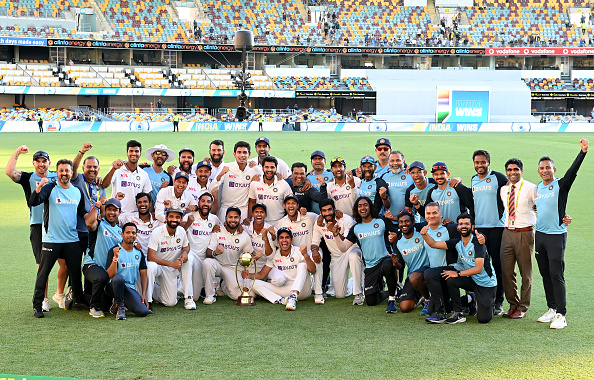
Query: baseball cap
{"points": [[417, 164], [160, 148], [174, 208], [113, 202], [182, 175], [233, 208], [336, 159], [254, 207], [291, 196], [318, 153], [202, 164], [284, 229], [367, 159], [40, 154], [186, 150], [439, 166], [383, 141], [263, 139]]}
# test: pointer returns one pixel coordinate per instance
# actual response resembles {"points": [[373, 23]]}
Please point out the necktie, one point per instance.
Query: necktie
{"points": [[511, 204]]}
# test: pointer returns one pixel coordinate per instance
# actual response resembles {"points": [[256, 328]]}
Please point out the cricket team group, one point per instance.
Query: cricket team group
{"points": [[174, 228]]}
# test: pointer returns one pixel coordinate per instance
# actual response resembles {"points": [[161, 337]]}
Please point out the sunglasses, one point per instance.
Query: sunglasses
{"points": [[382, 149], [161, 154], [367, 160], [440, 167]]}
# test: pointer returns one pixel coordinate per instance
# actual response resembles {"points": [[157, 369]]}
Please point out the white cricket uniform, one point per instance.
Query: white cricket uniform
{"points": [[302, 230], [191, 174], [215, 171], [143, 234], [341, 262], [293, 270], [282, 167], [344, 196], [162, 280], [196, 190], [168, 194], [235, 187], [199, 233], [130, 183], [272, 196], [258, 244], [223, 265]]}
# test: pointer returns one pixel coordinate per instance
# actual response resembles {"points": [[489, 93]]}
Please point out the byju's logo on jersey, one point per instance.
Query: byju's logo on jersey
{"points": [[65, 201]]}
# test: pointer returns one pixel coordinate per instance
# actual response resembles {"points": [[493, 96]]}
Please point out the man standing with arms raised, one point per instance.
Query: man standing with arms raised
{"points": [[517, 241], [488, 209], [262, 147], [29, 181], [270, 191], [318, 163], [551, 233], [416, 194], [344, 187], [159, 155]]}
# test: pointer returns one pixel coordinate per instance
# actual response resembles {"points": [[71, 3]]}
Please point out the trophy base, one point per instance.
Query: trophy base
{"points": [[245, 300]]}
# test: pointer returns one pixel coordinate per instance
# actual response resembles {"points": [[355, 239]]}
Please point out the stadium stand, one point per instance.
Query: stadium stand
{"points": [[307, 83], [583, 84], [200, 115], [358, 84], [546, 84]]}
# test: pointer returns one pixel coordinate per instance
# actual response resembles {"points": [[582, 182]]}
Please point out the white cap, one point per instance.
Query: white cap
{"points": [[149, 152]]}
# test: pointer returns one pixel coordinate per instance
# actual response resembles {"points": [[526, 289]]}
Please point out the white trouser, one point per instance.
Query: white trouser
{"points": [[212, 268], [166, 280], [339, 266], [273, 293], [197, 274], [223, 211]]}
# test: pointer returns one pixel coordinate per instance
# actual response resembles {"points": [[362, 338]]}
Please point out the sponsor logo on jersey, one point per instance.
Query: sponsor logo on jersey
{"points": [[238, 184], [201, 233], [66, 201], [232, 176], [341, 196], [260, 188], [266, 197], [129, 184], [481, 188], [164, 243], [368, 234]]}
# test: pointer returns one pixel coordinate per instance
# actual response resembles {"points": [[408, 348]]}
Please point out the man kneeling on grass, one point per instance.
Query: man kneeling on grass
{"points": [[294, 263], [473, 271], [124, 263]]}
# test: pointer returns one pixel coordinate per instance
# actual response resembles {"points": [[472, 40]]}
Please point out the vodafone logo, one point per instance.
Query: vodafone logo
{"points": [[565, 51], [526, 51]]}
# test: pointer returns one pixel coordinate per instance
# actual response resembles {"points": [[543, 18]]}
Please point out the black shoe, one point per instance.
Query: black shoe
{"points": [[114, 308], [78, 306], [37, 312], [455, 317], [150, 308], [121, 315], [497, 308], [68, 299], [436, 318], [472, 305]]}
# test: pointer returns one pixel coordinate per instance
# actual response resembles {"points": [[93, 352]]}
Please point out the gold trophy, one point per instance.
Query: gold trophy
{"points": [[245, 299]]}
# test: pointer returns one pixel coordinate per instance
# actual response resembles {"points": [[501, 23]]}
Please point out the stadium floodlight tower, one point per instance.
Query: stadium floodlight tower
{"points": [[244, 42]]}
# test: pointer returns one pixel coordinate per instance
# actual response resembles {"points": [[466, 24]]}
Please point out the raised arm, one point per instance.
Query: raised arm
{"points": [[11, 171], [430, 241]]}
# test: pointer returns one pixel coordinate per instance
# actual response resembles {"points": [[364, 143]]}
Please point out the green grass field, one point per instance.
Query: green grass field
{"points": [[336, 340]]}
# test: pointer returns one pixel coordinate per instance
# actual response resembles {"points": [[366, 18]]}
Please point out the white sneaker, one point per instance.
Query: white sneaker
{"points": [[59, 299], [209, 300], [358, 299], [559, 322], [96, 313], [189, 304], [45, 305], [548, 316], [319, 299], [291, 302], [282, 300]]}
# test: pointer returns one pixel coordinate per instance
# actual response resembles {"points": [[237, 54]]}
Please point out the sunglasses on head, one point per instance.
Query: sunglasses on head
{"points": [[439, 167]]}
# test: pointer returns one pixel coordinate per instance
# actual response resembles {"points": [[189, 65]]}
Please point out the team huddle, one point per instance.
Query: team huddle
{"points": [[384, 230]]}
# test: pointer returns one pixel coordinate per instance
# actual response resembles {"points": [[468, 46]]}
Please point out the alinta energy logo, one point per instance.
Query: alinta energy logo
{"points": [[443, 105]]}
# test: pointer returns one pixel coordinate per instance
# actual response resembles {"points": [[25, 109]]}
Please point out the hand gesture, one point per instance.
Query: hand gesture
{"points": [[167, 203], [338, 214], [259, 255], [279, 176], [252, 163], [584, 144], [177, 263], [103, 199], [224, 171], [303, 211], [455, 181], [480, 237], [272, 232], [117, 164], [98, 180], [171, 169], [216, 229], [138, 246], [350, 179], [388, 215], [392, 236], [320, 180], [219, 250], [306, 185], [116, 253], [164, 184], [358, 172], [447, 221], [245, 273], [86, 147], [192, 207], [424, 230], [394, 260], [567, 220], [239, 229], [303, 250], [256, 178], [207, 159], [382, 192], [316, 257], [320, 221], [334, 228], [414, 199], [22, 150], [119, 196], [41, 183], [246, 222]]}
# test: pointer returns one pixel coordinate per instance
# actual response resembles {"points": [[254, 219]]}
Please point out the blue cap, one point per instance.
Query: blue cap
{"points": [[203, 163], [318, 153], [291, 196], [263, 139], [383, 141], [41, 154], [259, 205], [416, 164], [182, 175], [113, 202], [186, 150], [284, 229], [439, 166], [233, 208], [367, 159]]}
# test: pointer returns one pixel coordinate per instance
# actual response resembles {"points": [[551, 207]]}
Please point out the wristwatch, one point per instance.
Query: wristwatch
{"points": [[459, 275]]}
